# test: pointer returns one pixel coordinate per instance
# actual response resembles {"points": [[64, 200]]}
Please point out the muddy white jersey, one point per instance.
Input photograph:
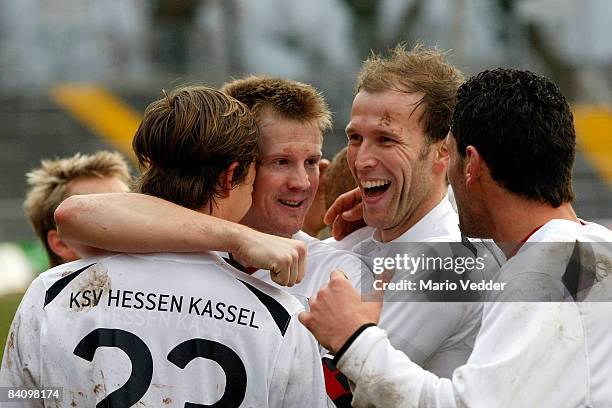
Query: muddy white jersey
{"points": [[162, 330], [437, 335], [527, 354]]}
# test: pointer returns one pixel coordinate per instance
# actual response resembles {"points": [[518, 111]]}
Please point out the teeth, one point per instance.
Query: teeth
{"points": [[291, 203], [375, 183]]}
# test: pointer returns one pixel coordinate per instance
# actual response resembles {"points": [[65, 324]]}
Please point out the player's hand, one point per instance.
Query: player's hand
{"points": [[346, 214], [285, 258], [337, 311]]}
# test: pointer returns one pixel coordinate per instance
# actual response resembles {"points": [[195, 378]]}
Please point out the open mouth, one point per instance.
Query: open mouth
{"points": [[375, 188], [291, 204]]}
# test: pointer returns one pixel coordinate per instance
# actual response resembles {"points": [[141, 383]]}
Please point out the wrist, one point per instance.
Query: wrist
{"points": [[350, 328], [236, 237], [339, 352]]}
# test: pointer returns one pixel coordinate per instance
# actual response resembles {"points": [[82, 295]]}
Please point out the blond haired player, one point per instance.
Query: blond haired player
{"points": [[57, 179], [545, 340], [167, 328], [292, 118]]}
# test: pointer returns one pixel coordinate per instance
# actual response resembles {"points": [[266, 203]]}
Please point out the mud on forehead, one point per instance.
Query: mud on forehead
{"points": [[385, 119], [387, 108]]}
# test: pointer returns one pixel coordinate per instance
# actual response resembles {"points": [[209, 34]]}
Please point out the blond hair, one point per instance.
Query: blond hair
{"points": [[290, 99], [48, 186], [420, 70], [186, 141]]}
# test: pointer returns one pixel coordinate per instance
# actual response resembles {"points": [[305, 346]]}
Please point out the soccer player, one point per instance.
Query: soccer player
{"points": [[512, 149], [400, 117], [396, 151], [292, 117], [55, 180], [171, 329]]}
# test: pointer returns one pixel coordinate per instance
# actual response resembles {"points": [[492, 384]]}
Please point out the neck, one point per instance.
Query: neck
{"points": [[518, 218], [413, 217]]}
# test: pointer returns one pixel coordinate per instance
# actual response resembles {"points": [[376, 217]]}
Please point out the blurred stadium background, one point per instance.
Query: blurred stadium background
{"points": [[75, 75]]}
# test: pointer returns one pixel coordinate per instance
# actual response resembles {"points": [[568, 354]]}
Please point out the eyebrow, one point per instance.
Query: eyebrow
{"points": [[281, 155], [387, 131]]}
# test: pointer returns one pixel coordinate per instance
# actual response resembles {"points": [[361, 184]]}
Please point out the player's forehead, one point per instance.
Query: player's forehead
{"points": [[284, 136], [385, 112], [291, 150]]}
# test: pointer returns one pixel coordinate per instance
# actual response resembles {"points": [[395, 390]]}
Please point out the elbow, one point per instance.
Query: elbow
{"points": [[66, 213]]}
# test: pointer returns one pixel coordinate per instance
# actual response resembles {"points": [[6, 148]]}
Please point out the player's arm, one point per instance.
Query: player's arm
{"points": [[381, 376], [20, 367], [384, 376], [130, 222], [346, 214]]}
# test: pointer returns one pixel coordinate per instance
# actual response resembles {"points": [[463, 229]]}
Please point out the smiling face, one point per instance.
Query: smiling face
{"points": [[287, 176], [389, 156]]}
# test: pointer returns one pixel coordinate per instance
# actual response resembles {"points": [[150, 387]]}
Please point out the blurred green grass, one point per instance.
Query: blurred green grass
{"points": [[36, 255], [8, 306]]}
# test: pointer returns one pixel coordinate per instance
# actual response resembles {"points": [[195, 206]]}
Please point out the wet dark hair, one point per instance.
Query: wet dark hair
{"points": [[522, 126]]}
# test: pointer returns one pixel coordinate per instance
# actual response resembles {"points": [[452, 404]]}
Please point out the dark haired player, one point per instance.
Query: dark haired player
{"points": [[544, 341]]}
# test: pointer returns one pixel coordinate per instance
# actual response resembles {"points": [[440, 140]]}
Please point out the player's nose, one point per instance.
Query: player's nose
{"points": [[299, 179]]}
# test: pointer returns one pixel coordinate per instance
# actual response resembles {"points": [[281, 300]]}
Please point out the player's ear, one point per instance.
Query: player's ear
{"points": [[441, 156], [226, 178], [59, 247], [473, 165]]}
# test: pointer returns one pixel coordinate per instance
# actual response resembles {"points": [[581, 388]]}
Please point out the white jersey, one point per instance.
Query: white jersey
{"points": [[351, 240], [162, 330], [321, 261], [527, 354], [437, 335]]}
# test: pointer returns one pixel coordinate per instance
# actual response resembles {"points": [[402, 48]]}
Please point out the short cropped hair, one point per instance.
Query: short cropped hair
{"points": [[420, 70], [48, 187], [290, 99], [522, 126], [187, 139], [338, 178]]}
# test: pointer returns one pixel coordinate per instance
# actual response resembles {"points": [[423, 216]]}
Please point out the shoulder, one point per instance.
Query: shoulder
{"points": [[273, 298], [594, 232], [321, 252], [327, 258], [55, 279], [351, 240], [566, 231]]}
